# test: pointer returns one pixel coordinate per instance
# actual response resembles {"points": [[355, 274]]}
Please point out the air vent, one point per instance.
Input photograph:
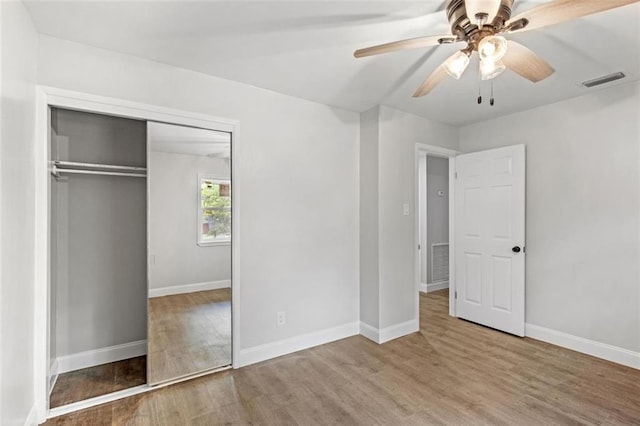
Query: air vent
{"points": [[604, 79], [439, 262]]}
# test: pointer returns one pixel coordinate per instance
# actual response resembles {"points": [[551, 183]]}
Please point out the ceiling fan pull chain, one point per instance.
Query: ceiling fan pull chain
{"points": [[491, 101], [479, 94]]}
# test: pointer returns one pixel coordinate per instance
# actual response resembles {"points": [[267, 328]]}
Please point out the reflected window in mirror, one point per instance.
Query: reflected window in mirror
{"points": [[214, 212]]}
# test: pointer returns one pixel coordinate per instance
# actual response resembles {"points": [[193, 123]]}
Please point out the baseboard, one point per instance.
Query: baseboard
{"points": [[437, 286], [189, 288], [32, 417], [423, 287], [389, 333], [53, 375], [101, 356], [370, 332], [294, 344], [585, 346]]}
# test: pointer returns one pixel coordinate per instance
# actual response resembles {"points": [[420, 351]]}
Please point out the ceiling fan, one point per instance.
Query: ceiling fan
{"points": [[481, 23]]}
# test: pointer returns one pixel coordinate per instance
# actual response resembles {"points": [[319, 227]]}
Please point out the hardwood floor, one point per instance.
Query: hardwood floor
{"points": [[451, 372], [188, 333], [99, 380]]}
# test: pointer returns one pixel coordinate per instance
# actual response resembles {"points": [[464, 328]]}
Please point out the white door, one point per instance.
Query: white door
{"points": [[489, 258]]}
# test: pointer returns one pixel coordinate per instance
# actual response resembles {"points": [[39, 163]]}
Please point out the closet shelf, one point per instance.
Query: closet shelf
{"points": [[73, 167]]}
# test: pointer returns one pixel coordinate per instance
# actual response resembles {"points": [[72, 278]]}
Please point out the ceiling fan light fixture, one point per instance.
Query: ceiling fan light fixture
{"points": [[492, 48], [457, 64], [481, 19], [490, 69], [482, 10]]}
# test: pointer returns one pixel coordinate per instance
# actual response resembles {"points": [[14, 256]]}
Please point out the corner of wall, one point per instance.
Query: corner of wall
{"points": [[387, 334], [18, 93], [368, 216]]}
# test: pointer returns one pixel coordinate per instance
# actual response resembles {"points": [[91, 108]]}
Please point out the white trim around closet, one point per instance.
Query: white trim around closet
{"points": [[53, 97]]}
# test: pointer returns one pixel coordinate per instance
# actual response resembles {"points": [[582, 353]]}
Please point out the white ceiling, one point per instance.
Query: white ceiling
{"points": [[304, 49], [189, 140]]}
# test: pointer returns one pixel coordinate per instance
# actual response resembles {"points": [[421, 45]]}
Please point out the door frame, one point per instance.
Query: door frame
{"points": [[435, 151], [47, 97]]}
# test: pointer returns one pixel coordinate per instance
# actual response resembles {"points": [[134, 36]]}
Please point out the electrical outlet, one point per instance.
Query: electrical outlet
{"points": [[281, 318]]}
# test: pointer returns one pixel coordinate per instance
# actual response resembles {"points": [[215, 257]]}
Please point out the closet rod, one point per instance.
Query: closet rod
{"points": [[66, 164], [56, 172]]}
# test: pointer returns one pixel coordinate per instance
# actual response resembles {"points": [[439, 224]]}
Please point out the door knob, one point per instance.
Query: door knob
{"points": [[516, 249]]}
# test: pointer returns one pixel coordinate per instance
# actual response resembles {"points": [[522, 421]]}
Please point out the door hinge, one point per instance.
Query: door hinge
{"points": [[455, 175], [455, 295], [418, 246]]}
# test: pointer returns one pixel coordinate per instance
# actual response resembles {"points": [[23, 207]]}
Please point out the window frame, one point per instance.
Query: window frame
{"points": [[199, 213]]}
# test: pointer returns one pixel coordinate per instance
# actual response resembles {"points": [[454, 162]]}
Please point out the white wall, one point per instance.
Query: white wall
{"points": [[437, 206], [173, 204], [398, 134], [297, 187], [583, 211], [369, 258], [17, 187]]}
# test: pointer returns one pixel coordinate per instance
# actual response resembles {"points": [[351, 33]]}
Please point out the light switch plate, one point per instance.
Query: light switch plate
{"points": [[405, 209]]}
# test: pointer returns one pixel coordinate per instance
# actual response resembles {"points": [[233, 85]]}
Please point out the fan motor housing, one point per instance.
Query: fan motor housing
{"points": [[465, 27]]}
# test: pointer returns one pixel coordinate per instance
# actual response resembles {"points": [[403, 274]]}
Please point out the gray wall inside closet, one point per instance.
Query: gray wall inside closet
{"points": [[98, 236]]}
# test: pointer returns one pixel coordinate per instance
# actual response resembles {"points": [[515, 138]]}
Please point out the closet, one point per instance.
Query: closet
{"points": [[98, 255], [139, 255]]}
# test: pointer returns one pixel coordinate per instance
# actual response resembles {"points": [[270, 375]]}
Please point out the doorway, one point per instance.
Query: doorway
{"points": [[433, 228], [486, 224], [434, 222]]}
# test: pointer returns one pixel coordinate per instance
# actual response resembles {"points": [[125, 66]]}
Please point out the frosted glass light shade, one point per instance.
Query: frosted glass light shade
{"points": [[489, 7], [490, 69], [456, 64], [492, 48]]}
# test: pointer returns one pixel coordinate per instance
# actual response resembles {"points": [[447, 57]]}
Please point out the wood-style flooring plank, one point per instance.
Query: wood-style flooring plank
{"points": [[98, 380], [188, 333], [451, 372]]}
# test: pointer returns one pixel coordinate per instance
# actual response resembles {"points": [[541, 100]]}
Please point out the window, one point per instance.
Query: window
{"points": [[214, 211]]}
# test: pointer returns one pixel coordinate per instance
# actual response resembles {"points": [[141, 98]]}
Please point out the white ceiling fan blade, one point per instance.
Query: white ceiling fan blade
{"points": [[525, 63], [412, 43], [559, 11], [434, 78]]}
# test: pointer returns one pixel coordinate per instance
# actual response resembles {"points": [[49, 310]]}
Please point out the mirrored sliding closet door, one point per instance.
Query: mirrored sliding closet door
{"points": [[189, 241]]}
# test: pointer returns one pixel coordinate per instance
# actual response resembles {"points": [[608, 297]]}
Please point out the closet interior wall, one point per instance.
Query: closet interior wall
{"points": [[98, 277]]}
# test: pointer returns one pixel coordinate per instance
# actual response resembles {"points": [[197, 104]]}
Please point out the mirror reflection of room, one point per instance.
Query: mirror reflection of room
{"points": [[189, 251]]}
